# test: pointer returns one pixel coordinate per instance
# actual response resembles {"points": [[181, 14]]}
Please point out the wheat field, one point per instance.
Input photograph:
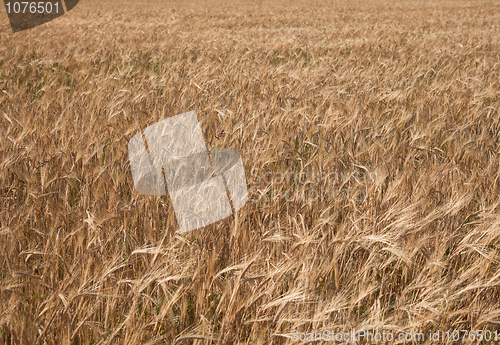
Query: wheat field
{"points": [[369, 131]]}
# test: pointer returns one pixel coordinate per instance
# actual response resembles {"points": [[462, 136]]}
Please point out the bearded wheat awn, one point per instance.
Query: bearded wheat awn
{"points": [[394, 102]]}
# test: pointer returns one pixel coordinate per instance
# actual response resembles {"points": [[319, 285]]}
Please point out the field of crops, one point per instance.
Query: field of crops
{"points": [[369, 132]]}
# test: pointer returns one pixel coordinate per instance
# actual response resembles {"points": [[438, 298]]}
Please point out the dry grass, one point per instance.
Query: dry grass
{"points": [[401, 98]]}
